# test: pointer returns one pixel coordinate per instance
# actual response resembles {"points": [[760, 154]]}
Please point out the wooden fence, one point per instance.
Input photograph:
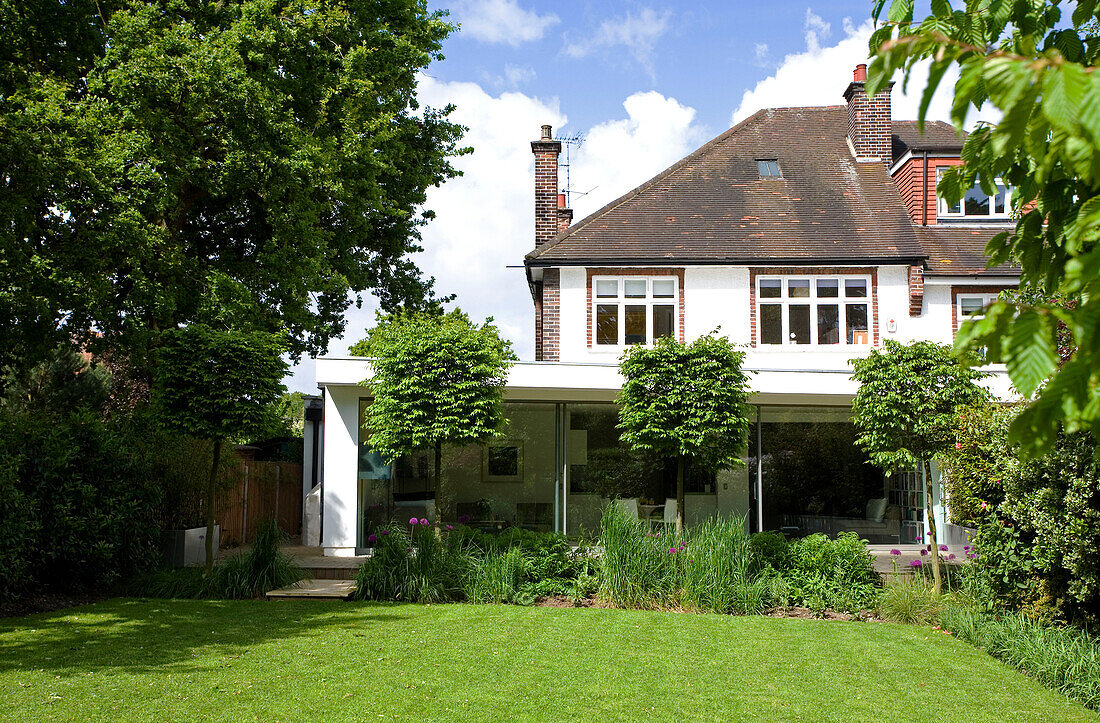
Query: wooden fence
{"points": [[263, 491]]}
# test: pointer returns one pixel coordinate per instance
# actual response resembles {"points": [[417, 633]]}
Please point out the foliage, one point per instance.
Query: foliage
{"points": [[285, 417], [213, 384], [908, 398], [710, 568], [973, 471], [249, 163], [771, 549], [79, 490], [687, 402], [910, 601], [437, 379], [1063, 658], [838, 574], [412, 563], [1035, 63], [497, 577], [251, 574]]}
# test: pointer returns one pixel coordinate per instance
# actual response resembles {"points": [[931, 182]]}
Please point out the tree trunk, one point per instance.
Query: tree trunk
{"points": [[211, 494], [679, 496], [438, 482], [937, 580]]}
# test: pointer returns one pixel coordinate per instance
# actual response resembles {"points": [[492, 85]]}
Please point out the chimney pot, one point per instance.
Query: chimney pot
{"points": [[561, 200], [860, 74], [546, 132]]}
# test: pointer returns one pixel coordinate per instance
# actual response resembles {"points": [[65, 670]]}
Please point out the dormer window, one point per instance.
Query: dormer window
{"points": [[976, 204], [769, 168]]}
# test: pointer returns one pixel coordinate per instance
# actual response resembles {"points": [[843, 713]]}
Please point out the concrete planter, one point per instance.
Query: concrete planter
{"points": [[186, 548]]}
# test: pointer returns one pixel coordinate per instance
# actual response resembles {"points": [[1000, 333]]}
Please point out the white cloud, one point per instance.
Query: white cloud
{"points": [[638, 33], [501, 21], [816, 30], [618, 155], [519, 74], [819, 75], [762, 59]]}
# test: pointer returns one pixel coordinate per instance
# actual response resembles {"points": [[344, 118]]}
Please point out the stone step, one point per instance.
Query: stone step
{"points": [[315, 590]]}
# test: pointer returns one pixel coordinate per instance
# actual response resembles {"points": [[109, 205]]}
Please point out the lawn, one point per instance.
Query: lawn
{"points": [[185, 660]]}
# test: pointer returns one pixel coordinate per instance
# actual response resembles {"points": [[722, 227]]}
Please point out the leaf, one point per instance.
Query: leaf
{"points": [[1030, 354], [901, 11], [1064, 88]]}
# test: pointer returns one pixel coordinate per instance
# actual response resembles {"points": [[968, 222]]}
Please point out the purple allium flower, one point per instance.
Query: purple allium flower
{"points": [[923, 553], [383, 532], [970, 555], [372, 538], [966, 548], [918, 538], [895, 552], [408, 549], [943, 548], [951, 556], [423, 520], [672, 550], [463, 519], [449, 528], [915, 563], [412, 521]]}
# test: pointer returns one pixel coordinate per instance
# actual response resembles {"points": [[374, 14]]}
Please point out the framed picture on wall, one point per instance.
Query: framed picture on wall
{"points": [[503, 461]]}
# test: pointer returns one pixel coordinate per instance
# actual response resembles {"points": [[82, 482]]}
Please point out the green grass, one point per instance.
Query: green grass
{"points": [[188, 660]]}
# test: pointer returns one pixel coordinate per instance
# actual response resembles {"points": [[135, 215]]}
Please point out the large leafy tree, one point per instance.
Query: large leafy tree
{"points": [[687, 402], [437, 379], [248, 163], [215, 384], [1036, 63], [909, 396]]}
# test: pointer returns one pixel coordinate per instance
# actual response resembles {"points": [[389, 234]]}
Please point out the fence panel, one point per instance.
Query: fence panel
{"points": [[261, 491]]}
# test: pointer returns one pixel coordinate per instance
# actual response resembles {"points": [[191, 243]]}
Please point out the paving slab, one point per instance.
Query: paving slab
{"points": [[315, 589]]}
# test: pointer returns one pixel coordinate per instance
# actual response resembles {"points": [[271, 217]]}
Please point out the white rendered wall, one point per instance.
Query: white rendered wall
{"points": [[341, 470]]}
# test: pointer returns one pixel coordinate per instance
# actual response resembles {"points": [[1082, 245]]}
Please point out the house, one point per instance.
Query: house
{"points": [[807, 235]]}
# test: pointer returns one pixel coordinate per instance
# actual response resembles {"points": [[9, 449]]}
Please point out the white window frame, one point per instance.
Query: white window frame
{"points": [[943, 211], [622, 302], [813, 300], [986, 299]]}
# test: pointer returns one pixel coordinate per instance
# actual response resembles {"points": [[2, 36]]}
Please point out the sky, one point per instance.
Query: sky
{"points": [[642, 83]]}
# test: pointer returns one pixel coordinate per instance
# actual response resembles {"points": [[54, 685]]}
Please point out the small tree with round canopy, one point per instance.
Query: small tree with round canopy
{"points": [[214, 384], [438, 379], [908, 398], [687, 402]]}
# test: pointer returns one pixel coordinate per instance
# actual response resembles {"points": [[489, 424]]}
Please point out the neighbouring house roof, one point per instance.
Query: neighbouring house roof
{"points": [[714, 207], [938, 137], [960, 250]]}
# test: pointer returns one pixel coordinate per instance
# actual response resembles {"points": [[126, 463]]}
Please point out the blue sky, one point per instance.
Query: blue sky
{"points": [[645, 83]]}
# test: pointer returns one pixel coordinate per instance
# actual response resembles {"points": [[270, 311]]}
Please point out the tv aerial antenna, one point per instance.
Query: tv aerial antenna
{"points": [[571, 144]]}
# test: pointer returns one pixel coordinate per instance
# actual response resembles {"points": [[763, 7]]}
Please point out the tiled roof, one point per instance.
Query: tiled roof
{"points": [[959, 250], [713, 206], [938, 136]]}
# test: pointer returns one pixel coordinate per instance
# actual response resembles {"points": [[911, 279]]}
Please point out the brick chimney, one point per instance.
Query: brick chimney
{"points": [[546, 151], [565, 215], [869, 129]]}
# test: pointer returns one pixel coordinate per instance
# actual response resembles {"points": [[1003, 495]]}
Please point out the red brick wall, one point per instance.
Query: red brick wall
{"points": [[548, 345], [660, 271], [869, 123], [908, 180], [815, 270]]}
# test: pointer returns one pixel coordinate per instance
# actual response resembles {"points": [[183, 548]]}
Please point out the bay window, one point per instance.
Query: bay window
{"points": [[633, 309], [813, 310]]}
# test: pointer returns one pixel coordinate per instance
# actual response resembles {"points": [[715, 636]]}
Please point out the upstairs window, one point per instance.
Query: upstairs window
{"points": [[977, 205], [813, 310], [769, 168], [633, 309]]}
